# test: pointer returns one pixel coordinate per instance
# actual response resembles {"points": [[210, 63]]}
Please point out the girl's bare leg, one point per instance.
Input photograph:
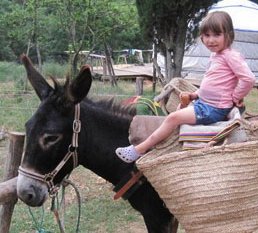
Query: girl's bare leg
{"points": [[183, 116], [174, 119]]}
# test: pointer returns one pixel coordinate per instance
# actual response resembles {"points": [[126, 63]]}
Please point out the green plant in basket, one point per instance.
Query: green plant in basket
{"points": [[146, 106]]}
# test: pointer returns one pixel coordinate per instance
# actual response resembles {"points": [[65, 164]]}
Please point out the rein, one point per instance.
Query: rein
{"points": [[72, 152]]}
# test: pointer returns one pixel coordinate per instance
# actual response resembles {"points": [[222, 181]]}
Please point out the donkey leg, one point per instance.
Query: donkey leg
{"points": [[174, 225]]}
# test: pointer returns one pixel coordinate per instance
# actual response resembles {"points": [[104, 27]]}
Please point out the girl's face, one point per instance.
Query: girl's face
{"points": [[215, 42]]}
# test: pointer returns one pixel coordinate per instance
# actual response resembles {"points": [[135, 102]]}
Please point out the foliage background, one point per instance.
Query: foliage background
{"points": [[59, 25], [44, 29]]}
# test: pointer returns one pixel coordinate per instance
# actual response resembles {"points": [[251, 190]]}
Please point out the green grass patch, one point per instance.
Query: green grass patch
{"points": [[10, 71], [100, 214], [251, 101]]}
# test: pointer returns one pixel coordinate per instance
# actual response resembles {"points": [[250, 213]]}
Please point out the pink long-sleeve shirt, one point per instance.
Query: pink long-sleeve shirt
{"points": [[227, 80]]}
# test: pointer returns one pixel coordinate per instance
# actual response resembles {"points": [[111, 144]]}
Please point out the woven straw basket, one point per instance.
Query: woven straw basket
{"points": [[211, 190], [177, 85]]}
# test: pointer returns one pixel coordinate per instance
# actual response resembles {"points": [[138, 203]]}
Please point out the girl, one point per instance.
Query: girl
{"points": [[226, 82]]}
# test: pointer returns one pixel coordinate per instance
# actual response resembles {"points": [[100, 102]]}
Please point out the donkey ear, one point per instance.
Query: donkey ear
{"points": [[40, 85], [80, 86]]}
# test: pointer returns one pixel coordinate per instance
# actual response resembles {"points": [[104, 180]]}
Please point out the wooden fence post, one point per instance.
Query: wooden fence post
{"points": [[8, 191], [13, 160], [139, 85]]}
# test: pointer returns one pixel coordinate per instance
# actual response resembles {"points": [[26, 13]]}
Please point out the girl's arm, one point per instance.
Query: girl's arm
{"points": [[246, 78]]}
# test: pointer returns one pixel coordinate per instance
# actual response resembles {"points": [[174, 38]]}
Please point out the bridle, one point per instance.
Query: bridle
{"points": [[72, 152]]}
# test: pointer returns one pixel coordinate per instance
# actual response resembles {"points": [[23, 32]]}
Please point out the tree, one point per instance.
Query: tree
{"points": [[170, 24], [6, 51], [89, 25], [126, 33], [33, 9], [55, 26], [26, 27]]}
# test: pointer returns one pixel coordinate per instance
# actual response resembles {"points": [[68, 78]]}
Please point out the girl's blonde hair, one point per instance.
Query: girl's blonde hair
{"points": [[218, 22]]}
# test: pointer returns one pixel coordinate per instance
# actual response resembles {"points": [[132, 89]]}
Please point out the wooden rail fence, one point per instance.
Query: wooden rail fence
{"points": [[8, 191]]}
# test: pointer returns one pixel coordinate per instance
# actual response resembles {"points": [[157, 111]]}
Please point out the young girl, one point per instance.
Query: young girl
{"points": [[226, 82]]}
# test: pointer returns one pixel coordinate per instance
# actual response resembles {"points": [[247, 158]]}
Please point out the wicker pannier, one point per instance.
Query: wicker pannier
{"points": [[177, 85], [210, 190]]}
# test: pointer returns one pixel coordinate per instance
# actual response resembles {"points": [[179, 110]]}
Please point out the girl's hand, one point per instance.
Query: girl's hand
{"points": [[185, 99], [239, 104], [193, 96]]}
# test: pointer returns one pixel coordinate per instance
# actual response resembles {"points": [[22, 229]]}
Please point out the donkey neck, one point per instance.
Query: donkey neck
{"points": [[102, 132]]}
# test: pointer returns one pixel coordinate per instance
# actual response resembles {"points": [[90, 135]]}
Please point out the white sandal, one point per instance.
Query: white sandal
{"points": [[127, 154]]}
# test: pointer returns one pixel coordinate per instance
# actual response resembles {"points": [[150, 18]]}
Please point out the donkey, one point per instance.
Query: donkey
{"points": [[68, 129]]}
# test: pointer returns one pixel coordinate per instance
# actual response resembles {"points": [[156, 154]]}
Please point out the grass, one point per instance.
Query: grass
{"points": [[251, 101], [11, 72]]}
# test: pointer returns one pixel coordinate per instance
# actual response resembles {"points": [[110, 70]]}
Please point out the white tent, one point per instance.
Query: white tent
{"points": [[244, 14]]}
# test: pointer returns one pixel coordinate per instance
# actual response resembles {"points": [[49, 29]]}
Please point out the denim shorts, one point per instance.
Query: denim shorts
{"points": [[206, 114]]}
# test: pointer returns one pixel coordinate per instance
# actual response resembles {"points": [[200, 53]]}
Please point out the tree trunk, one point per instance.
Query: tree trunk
{"points": [[169, 43], [160, 75], [154, 80], [74, 64], [110, 66], [179, 48], [39, 57], [175, 41], [27, 54], [169, 67], [28, 48]]}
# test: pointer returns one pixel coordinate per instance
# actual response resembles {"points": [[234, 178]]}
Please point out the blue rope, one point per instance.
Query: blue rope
{"points": [[39, 224], [55, 206]]}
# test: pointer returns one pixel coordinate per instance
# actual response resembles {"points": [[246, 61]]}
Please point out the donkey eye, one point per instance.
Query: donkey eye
{"points": [[48, 140]]}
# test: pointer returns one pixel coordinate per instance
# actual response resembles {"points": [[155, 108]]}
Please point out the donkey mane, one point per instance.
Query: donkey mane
{"points": [[114, 107], [108, 106]]}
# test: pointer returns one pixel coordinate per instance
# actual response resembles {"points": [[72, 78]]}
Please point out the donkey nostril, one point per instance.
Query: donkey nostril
{"points": [[30, 196]]}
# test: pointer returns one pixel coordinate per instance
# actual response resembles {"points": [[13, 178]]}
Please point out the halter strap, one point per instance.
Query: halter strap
{"points": [[72, 152]]}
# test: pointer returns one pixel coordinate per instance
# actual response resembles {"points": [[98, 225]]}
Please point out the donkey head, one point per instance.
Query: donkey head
{"points": [[49, 132]]}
